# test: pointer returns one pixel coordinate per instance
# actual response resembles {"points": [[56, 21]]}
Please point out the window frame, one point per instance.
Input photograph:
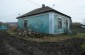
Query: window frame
{"points": [[66, 23], [59, 23]]}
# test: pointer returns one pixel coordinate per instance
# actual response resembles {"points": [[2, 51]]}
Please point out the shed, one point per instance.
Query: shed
{"points": [[3, 26]]}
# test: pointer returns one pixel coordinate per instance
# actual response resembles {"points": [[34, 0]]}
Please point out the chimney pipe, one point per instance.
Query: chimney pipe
{"points": [[43, 5]]}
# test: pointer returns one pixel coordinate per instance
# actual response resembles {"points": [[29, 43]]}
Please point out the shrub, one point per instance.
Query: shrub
{"points": [[83, 46]]}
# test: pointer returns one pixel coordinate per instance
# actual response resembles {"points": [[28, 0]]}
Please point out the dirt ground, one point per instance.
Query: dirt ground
{"points": [[10, 45]]}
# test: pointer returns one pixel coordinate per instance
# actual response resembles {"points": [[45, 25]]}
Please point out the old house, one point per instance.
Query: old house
{"points": [[3, 26], [45, 20]]}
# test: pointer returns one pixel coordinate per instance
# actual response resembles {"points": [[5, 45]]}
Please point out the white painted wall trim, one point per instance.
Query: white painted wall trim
{"points": [[51, 23], [25, 19]]}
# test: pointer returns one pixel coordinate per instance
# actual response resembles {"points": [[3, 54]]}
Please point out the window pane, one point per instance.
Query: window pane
{"points": [[59, 23], [66, 23]]}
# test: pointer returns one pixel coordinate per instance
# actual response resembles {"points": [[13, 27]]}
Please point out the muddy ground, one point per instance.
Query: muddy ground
{"points": [[10, 45]]}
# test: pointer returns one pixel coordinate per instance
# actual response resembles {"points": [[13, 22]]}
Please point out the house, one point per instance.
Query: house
{"points": [[3, 26], [12, 25], [45, 20]]}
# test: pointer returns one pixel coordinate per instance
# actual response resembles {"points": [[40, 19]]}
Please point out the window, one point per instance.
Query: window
{"points": [[59, 23], [25, 23], [66, 23]]}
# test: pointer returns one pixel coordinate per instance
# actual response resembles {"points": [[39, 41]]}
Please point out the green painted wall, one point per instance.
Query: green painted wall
{"points": [[39, 23], [56, 30], [20, 23], [2, 26], [55, 24]]}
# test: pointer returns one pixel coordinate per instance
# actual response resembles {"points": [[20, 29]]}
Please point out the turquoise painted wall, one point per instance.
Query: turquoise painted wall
{"points": [[20, 23], [39, 23], [63, 24], [56, 30], [55, 24], [2, 27]]}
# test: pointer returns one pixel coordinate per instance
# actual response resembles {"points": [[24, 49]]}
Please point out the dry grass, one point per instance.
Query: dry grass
{"points": [[50, 38], [83, 46], [55, 38], [80, 35]]}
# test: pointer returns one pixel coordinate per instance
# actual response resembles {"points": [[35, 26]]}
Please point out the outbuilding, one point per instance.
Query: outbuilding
{"points": [[3, 26]]}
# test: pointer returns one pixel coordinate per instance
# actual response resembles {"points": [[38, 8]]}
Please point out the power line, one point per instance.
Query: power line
{"points": [[33, 2]]}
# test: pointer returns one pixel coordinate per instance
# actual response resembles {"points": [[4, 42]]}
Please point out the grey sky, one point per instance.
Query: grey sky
{"points": [[9, 9]]}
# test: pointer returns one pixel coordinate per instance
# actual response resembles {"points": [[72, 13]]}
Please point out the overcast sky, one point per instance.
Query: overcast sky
{"points": [[10, 9]]}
